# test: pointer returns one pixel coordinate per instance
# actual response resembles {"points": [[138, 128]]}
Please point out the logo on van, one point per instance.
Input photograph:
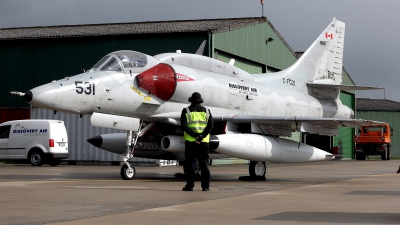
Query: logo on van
{"points": [[22, 130]]}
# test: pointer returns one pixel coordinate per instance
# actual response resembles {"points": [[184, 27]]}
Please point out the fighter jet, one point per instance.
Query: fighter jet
{"points": [[144, 95]]}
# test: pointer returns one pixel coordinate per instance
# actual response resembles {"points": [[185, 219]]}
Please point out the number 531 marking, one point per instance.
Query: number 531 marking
{"points": [[84, 87]]}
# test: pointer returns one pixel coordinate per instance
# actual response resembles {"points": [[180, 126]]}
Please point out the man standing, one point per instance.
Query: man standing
{"points": [[197, 123]]}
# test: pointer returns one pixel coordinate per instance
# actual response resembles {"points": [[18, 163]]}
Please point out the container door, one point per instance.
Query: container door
{"points": [[4, 135]]}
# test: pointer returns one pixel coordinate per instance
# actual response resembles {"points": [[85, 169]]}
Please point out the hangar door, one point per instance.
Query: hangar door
{"points": [[344, 140], [246, 65]]}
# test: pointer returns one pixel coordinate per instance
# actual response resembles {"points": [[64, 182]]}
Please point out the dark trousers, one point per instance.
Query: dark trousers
{"points": [[195, 151]]}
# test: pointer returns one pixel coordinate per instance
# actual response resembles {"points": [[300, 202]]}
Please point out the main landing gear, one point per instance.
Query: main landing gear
{"points": [[257, 171]]}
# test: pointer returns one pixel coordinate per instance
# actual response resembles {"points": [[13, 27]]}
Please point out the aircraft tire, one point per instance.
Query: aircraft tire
{"points": [[36, 158], [257, 169], [127, 173]]}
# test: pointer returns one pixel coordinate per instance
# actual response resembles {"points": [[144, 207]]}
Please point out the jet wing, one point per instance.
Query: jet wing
{"points": [[278, 125], [282, 121]]}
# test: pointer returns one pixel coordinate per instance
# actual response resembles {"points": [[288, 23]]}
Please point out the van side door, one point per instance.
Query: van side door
{"points": [[4, 135]]}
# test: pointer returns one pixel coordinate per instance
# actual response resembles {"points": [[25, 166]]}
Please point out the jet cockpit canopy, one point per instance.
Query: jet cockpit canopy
{"points": [[125, 61]]}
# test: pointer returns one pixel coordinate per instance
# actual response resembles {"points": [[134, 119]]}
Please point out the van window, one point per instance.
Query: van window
{"points": [[5, 131]]}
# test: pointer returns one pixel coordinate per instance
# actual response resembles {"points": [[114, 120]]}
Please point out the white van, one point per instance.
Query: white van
{"points": [[38, 141]]}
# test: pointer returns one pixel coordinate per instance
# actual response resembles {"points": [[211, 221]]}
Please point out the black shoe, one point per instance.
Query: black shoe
{"points": [[398, 171], [187, 188], [206, 189]]}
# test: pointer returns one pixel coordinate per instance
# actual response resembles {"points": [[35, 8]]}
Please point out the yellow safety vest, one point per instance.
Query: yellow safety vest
{"points": [[197, 121]]}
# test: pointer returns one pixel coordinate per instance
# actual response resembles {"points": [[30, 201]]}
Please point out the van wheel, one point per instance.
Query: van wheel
{"points": [[55, 162], [36, 158]]}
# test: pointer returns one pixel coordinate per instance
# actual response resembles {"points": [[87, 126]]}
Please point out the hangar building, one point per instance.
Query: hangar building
{"points": [[382, 110], [32, 56]]}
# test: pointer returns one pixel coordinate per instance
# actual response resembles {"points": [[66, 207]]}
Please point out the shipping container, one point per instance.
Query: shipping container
{"points": [[79, 130]]}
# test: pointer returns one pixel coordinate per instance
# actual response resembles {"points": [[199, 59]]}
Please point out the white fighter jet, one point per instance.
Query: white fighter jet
{"points": [[144, 95]]}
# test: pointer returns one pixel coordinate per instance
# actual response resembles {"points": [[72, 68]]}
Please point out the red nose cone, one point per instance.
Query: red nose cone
{"points": [[160, 80]]}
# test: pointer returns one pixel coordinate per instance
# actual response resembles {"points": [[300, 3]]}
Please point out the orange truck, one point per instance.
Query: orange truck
{"points": [[373, 140]]}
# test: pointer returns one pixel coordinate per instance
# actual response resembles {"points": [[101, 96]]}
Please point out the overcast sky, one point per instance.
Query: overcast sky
{"points": [[371, 53]]}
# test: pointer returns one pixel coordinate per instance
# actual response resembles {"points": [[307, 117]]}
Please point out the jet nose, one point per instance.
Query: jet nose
{"points": [[28, 96], [43, 96]]}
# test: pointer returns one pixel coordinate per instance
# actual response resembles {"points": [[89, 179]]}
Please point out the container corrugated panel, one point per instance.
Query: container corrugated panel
{"points": [[389, 117], [79, 130], [8, 114]]}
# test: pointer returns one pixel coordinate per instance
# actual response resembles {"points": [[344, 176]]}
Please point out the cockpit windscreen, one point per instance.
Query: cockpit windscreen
{"points": [[132, 59], [111, 65], [98, 64]]}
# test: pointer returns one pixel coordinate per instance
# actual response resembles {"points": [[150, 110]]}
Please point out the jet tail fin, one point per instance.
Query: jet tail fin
{"points": [[323, 60]]}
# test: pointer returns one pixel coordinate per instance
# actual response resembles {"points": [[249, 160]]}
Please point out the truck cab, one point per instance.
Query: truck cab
{"points": [[373, 140]]}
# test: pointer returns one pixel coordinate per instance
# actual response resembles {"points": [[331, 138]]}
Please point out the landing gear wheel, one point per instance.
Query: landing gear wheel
{"points": [[36, 158], [128, 173], [257, 169]]}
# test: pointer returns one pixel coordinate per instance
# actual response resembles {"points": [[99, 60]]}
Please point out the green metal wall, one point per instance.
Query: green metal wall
{"points": [[25, 64], [389, 117], [345, 138], [250, 43], [246, 65]]}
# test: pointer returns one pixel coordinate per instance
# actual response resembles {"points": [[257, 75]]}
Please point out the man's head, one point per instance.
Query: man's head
{"points": [[196, 98]]}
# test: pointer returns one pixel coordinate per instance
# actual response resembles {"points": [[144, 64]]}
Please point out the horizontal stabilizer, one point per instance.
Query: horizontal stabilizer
{"points": [[342, 87]]}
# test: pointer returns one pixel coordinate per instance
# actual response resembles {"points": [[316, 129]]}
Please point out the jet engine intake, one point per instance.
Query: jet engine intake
{"points": [[173, 143], [159, 80]]}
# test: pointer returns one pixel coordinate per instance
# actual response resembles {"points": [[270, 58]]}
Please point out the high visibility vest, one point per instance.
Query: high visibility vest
{"points": [[197, 121]]}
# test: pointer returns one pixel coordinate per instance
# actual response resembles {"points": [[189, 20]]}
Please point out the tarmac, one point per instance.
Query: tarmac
{"points": [[331, 192]]}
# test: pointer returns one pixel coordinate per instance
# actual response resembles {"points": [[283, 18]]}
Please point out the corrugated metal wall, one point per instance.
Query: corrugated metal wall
{"points": [[246, 65], [79, 130], [345, 139], [25, 64], [393, 118], [250, 43]]}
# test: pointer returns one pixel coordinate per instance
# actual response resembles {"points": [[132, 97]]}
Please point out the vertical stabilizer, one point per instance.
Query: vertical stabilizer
{"points": [[323, 60], [321, 63]]}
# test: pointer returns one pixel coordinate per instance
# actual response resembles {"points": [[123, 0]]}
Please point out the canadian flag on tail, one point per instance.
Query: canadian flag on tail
{"points": [[329, 35]]}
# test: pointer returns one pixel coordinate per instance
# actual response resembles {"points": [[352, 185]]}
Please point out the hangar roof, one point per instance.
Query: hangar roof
{"points": [[212, 25], [367, 104]]}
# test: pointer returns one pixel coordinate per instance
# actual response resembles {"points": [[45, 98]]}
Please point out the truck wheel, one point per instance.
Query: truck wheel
{"points": [[384, 154], [388, 153], [36, 158]]}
